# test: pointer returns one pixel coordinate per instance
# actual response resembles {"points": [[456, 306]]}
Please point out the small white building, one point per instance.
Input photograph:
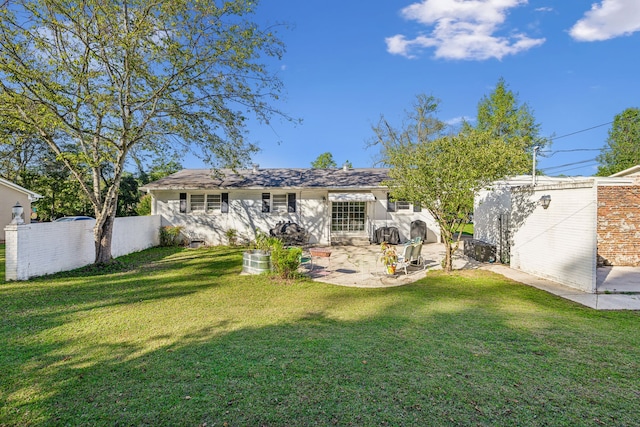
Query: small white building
{"points": [[10, 194], [562, 228], [334, 206]]}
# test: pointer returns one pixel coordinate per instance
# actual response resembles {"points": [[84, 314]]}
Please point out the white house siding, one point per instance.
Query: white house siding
{"points": [[558, 243], [489, 205], [402, 219], [313, 213], [245, 215]]}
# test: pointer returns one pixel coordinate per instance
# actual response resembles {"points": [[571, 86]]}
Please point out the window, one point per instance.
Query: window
{"points": [[402, 205], [348, 216], [209, 203], [214, 202], [279, 203], [398, 205], [197, 203]]}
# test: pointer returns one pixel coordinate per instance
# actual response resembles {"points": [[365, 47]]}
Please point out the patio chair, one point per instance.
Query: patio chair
{"points": [[416, 255], [404, 257]]}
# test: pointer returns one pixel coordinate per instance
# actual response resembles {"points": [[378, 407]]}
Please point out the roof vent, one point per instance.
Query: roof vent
{"points": [[255, 167], [345, 166]]}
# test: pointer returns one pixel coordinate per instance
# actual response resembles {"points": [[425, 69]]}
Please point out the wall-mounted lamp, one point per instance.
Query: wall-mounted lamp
{"points": [[16, 214], [324, 199], [545, 201]]}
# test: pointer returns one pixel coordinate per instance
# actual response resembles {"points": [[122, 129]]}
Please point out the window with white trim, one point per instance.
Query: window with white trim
{"points": [[209, 203], [214, 202], [279, 203], [196, 203], [403, 205]]}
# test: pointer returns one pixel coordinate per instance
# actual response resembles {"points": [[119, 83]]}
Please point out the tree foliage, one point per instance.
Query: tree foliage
{"points": [[623, 144], [503, 116], [100, 80], [324, 161], [441, 169]]}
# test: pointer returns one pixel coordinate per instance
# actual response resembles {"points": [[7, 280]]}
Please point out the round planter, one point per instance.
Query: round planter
{"points": [[256, 262]]}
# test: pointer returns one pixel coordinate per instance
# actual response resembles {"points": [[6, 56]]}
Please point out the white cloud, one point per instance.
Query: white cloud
{"points": [[461, 29], [609, 19], [459, 120]]}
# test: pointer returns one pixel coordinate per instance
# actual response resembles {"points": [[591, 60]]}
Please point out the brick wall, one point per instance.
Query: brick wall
{"points": [[619, 225]]}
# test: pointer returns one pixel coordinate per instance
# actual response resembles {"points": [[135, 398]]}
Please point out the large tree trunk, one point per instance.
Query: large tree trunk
{"points": [[103, 231]]}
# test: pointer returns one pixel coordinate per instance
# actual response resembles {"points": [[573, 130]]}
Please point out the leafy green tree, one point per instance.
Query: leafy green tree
{"points": [[623, 144], [442, 170], [144, 205], [324, 161], [61, 194], [503, 116], [100, 80]]}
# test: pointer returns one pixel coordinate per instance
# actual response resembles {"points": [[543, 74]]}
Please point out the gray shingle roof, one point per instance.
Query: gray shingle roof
{"points": [[200, 179]]}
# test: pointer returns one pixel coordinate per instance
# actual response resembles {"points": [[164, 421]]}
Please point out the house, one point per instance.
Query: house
{"points": [[334, 206], [11, 193], [562, 228], [632, 172]]}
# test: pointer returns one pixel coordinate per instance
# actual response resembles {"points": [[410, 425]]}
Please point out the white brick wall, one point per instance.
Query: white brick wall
{"points": [[46, 248], [558, 243]]}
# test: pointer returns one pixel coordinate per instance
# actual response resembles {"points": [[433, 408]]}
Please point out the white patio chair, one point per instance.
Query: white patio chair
{"points": [[404, 257]]}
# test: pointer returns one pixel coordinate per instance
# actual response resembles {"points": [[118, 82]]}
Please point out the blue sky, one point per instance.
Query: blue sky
{"points": [[575, 63]]}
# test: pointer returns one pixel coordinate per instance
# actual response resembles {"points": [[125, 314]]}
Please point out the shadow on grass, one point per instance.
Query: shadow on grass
{"points": [[206, 345]]}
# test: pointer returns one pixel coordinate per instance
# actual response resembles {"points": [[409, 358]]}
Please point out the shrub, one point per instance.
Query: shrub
{"points": [[169, 235], [232, 236], [286, 261]]}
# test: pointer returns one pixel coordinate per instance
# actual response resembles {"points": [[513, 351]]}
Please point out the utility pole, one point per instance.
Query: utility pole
{"points": [[533, 174]]}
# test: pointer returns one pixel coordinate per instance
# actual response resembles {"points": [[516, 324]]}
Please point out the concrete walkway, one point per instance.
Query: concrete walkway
{"points": [[358, 266]]}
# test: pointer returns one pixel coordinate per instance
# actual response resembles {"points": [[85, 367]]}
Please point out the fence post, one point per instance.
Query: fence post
{"points": [[11, 252]]}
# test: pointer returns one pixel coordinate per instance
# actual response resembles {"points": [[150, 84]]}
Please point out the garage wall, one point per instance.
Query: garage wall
{"points": [[558, 243], [46, 248]]}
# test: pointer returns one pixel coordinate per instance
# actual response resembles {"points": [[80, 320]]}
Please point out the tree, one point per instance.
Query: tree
{"points": [[99, 80], [442, 170], [503, 116], [324, 161], [623, 144]]}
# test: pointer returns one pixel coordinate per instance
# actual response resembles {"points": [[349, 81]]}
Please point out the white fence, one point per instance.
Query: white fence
{"points": [[46, 248]]}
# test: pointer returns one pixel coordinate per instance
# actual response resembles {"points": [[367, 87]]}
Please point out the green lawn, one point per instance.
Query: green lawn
{"points": [[176, 337]]}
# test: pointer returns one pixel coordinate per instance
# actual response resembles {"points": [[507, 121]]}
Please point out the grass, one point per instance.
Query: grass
{"points": [[177, 337], [466, 229]]}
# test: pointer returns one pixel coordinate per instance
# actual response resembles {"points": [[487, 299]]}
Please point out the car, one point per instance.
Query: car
{"points": [[73, 218]]}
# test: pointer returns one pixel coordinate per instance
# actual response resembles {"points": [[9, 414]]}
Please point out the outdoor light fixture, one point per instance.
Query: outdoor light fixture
{"points": [[545, 201], [16, 214]]}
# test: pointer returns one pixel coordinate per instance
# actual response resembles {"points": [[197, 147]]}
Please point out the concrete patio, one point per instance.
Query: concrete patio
{"points": [[359, 266]]}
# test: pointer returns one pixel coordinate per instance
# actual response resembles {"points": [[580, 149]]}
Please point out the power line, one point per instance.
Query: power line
{"points": [[570, 151], [580, 131], [577, 167], [568, 164]]}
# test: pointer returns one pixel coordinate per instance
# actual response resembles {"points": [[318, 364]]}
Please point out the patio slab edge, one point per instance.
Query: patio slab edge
{"points": [[595, 301]]}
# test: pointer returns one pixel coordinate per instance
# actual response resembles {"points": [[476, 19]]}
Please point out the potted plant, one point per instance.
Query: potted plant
{"points": [[389, 257]]}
